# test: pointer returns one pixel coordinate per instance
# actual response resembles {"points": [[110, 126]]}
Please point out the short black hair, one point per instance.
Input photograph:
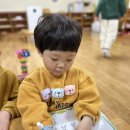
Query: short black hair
{"points": [[57, 32]]}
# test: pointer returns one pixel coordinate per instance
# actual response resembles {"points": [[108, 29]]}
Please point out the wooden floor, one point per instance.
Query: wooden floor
{"points": [[112, 75]]}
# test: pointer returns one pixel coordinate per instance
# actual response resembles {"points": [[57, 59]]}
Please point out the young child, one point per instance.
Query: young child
{"points": [[58, 85], [8, 94], [111, 11]]}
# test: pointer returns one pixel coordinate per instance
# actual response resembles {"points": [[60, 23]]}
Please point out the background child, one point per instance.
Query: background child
{"points": [[8, 94], [111, 11], [58, 85]]}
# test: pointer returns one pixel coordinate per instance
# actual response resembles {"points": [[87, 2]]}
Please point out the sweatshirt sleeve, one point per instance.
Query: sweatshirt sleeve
{"points": [[122, 7], [98, 9], [89, 101], [10, 105], [31, 107]]}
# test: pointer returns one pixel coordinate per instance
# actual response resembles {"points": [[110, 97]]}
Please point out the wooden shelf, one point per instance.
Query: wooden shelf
{"points": [[88, 19], [16, 21], [84, 18], [12, 21]]}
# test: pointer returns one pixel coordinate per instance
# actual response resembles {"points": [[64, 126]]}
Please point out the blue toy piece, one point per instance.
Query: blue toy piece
{"points": [[42, 127]]}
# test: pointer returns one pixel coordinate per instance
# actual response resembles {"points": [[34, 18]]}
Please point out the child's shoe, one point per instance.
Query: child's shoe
{"points": [[106, 53]]}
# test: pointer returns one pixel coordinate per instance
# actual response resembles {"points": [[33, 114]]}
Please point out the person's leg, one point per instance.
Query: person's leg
{"points": [[104, 24], [111, 34], [103, 37]]}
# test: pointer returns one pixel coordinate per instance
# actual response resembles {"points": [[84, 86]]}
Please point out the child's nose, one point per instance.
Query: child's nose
{"points": [[61, 65]]}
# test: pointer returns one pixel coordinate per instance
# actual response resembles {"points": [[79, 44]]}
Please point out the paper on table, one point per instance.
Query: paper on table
{"points": [[66, 120], [104, 124]]}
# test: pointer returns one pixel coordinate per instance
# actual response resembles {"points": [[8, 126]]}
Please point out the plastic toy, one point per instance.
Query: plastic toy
{"points": [[42, 127], [22, 55]]}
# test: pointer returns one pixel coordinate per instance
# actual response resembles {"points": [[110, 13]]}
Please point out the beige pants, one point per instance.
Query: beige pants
{"points": [[109, 30], [16, 124]]}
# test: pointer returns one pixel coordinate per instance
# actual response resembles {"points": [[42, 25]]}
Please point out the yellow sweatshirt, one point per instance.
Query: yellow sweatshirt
{"points": [[41, 93], [8, 92]]}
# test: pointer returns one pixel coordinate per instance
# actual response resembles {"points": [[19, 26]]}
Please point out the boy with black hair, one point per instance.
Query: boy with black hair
{"points": [[58, 85]]}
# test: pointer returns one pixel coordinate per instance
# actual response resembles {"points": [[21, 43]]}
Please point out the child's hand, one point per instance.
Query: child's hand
{"points": [[85, 123], [4, 120]]}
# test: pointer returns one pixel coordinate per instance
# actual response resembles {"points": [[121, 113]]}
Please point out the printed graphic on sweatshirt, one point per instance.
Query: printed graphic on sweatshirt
{"points": [[46, 94], [70, 90], [54, 95], [58, 104], [57, 93]]}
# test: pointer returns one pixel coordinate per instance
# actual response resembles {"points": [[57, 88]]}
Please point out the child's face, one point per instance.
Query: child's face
{"points": [[58, 62]]}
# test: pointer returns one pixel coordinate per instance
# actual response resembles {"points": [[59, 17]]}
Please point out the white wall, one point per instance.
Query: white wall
{"points": [[21, 5]]}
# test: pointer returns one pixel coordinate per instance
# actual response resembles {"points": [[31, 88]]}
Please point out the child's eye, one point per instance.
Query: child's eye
{"points": [[54, 59], [69, 60]]}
